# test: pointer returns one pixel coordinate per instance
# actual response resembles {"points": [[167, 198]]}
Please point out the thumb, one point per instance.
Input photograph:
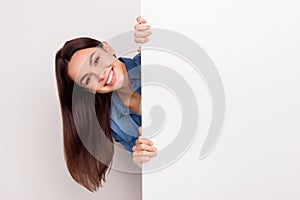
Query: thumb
{"points": [[140, 130], [140, 20]]}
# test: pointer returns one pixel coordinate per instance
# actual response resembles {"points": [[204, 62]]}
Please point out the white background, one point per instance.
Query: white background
{"points": [[31, 148], [255, 47]]}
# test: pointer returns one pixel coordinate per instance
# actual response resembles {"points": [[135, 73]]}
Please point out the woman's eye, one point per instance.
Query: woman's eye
{"points": [[88, 79], [97, 61]]}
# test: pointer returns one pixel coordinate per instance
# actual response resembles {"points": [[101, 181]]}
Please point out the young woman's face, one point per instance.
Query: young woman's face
{"points": [[97, 70]]}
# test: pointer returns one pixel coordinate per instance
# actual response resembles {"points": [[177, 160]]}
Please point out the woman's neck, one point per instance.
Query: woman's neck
{"points": [[128, 96]]}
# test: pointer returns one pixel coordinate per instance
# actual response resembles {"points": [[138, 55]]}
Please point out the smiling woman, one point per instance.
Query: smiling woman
{"points": [[97, 70], [111, 88]]}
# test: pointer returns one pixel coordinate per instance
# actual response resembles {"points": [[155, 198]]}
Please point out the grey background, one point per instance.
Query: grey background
{"points": [[31, 151], [255, 47]]}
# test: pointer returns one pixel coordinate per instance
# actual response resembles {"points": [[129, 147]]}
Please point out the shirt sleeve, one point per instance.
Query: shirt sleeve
{"points": [[137, 59], [122, 141]]}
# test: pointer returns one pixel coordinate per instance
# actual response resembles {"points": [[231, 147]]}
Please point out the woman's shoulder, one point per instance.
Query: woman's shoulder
{"points": [[131, 62], [137, 59]]}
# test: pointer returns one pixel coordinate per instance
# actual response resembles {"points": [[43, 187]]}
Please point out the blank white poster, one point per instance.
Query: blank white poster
{"points": [[254, 46]]}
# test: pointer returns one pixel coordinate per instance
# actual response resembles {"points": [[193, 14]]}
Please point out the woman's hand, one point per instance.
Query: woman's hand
{"points": [[142, 32], [143, 150]]}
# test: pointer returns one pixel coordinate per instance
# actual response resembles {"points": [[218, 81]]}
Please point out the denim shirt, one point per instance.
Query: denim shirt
{"points": [[123, 122]]}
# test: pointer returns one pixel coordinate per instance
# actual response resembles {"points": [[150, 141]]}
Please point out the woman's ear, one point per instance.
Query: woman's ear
{"points": [[108, 48]]}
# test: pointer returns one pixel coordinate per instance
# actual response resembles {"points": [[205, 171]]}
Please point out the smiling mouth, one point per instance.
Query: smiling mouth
{"points": [[111, 77]]}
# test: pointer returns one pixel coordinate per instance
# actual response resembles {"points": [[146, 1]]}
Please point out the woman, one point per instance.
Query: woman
{"points": [[90, 79]]}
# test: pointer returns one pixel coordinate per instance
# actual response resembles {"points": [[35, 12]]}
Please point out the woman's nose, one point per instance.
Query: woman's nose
{"points": [[103, 73]]}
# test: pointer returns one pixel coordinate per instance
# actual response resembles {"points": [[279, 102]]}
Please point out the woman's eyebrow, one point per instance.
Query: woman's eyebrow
{"points": [[92, 57]]}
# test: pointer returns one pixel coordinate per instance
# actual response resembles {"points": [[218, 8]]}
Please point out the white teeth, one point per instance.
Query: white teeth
{"points": [[110, 77]]}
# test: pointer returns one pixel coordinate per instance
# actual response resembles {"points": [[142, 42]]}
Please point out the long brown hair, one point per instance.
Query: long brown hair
{"points": [[88, 149]]}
